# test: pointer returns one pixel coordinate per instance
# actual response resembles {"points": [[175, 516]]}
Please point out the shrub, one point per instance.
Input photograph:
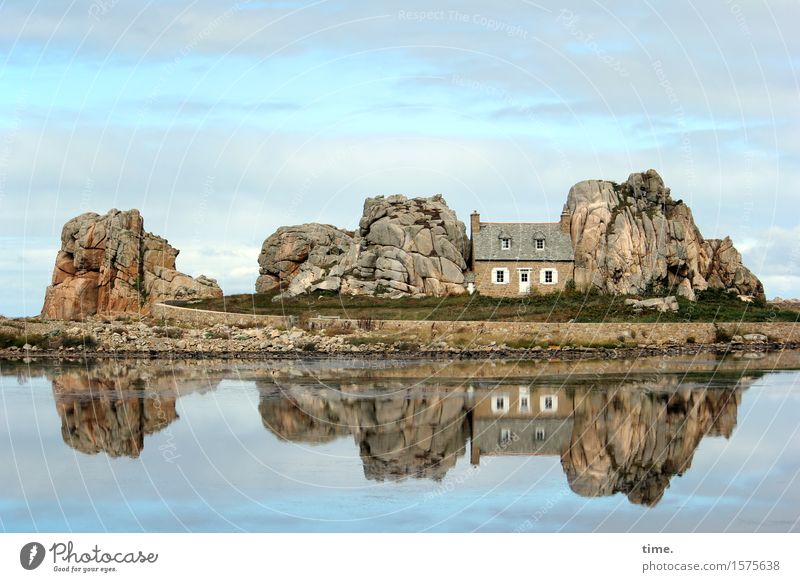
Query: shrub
{"points": [[217, 334], [76, 341], [722, 335], [169, 332]]}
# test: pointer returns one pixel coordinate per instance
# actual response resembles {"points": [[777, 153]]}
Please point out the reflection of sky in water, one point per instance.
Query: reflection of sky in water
{"points": [[231, 473]]}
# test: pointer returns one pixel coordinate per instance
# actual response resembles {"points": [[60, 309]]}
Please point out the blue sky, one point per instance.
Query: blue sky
{"points": [[221, 121]]}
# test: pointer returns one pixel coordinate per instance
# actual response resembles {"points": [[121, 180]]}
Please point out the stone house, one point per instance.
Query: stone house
{"points": [[510, 259]]}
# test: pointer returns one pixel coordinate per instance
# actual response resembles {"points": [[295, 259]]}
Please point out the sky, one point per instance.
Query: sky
{"points": [[222, 121]]}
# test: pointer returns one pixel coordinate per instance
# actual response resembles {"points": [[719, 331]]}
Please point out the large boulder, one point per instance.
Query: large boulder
{"points": [[300, 257], [634, 238], [109, 264], [402, 247]]}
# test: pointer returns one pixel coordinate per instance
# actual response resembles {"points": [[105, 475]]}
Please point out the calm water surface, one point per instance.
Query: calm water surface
{"points": [[654, 445]]}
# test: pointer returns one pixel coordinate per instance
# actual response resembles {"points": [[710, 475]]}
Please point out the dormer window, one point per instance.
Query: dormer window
{"points": [[539, 244], [505, 243]]}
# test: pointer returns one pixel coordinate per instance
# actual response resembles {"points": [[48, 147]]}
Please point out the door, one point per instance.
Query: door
{"points": [[524, 281]]}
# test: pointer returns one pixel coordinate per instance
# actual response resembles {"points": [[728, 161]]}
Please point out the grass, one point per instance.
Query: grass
{"points": [[556, 307]]}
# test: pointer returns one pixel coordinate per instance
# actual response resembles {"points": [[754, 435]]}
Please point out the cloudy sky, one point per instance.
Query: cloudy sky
{"points": [[222, 121]]}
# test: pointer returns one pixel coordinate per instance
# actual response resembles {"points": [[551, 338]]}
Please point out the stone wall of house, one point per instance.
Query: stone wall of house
{"points": [[485, 285]]}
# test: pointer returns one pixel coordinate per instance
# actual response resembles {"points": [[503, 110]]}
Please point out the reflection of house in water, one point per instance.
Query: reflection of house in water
{"points": [[622, 436], [520, 420]]}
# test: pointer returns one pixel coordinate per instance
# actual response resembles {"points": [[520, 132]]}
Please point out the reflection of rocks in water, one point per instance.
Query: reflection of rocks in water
{"points": [[634, 442], [404, 435], [110, 409], [293, 422]]}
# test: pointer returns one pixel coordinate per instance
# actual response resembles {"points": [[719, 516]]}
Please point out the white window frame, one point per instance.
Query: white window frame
{"points": [[526, 394], [506, 436], [543, 276], [503, 242], [495, 408], [506, 276], [536, 242], [543, 401]]}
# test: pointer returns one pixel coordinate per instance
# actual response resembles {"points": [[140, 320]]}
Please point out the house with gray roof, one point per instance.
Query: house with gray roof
{"points": [[510, 259]]}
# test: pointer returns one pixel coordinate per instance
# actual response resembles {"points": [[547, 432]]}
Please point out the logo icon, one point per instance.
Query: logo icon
{"points": [[31, 555]]}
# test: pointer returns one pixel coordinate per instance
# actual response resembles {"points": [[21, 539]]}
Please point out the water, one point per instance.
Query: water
{"points": [[648, 445]]}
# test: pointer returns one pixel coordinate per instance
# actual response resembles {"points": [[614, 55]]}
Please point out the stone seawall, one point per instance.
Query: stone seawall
{"points": [[203, 317], [554, 333]]}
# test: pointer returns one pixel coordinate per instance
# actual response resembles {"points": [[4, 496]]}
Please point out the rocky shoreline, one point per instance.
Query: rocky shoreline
{"points": [[155, 339]]}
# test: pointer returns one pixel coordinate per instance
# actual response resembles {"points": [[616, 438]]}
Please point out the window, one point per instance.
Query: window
{"points": [[540, 434], [548, 276], [500, 403], [523, 276], [524, 401], [500, 276], [548, 403], [539, 244], [505, 436], [505, 243]]}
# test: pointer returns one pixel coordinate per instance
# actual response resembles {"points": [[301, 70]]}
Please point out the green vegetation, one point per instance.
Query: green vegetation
{"points": [[557, 307], [168, 331]]}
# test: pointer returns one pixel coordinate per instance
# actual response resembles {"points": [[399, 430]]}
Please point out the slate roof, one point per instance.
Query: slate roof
{"points": [[557, 244]]}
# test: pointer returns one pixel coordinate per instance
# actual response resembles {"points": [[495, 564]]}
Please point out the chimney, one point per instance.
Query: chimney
{"points": [[566, 219], [474, 228], [474, 223]]}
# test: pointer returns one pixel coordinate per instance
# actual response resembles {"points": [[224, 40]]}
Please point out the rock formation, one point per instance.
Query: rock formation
{"points": [[634, 442], [402, 247], [303, 258], [633, 238], [401, 436], [109, 264], [109, 412]]}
